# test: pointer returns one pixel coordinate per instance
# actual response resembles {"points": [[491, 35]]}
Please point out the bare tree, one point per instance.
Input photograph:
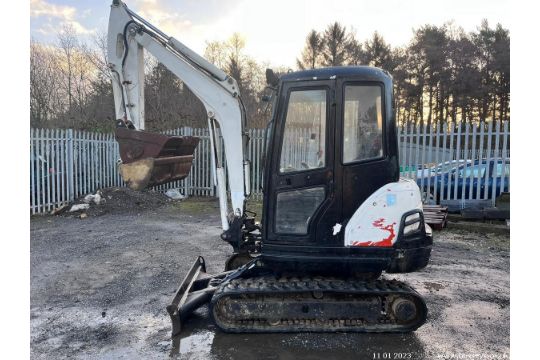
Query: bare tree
{"points": [[229, 55], [44, 84], [67, 43], [215, 52], [97, 55]]}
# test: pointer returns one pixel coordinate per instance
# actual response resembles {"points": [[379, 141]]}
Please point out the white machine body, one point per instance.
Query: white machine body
{"points": [[376, 222]]}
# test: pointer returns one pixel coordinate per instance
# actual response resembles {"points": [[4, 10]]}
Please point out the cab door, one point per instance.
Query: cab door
{"points": [[301, 182], [367, 156]]}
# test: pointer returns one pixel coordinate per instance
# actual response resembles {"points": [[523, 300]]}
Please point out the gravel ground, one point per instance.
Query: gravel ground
{"points": [[99, 287]]}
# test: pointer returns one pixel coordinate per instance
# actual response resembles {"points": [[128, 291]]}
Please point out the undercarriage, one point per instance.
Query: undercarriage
{"points": [[316, 304], [253, 298]]}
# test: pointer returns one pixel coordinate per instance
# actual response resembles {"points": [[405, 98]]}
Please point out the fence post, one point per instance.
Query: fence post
{"points": [[69, 162], [188, 182]]}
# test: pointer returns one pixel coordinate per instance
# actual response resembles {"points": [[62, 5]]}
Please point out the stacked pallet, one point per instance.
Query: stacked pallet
{"points": [[435, 216]]}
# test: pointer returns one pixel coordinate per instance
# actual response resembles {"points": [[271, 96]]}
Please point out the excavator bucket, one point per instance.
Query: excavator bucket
{"points": [[150, 159]]}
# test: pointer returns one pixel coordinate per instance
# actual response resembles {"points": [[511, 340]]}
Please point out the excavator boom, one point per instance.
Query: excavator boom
{"points": [[129, 35]]}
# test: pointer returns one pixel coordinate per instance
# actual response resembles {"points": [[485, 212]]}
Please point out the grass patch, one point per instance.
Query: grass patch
{"points": [[197, 205], [206, 205]]}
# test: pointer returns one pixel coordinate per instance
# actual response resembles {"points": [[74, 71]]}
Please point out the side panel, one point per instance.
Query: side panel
{"points": [[376, 222]]}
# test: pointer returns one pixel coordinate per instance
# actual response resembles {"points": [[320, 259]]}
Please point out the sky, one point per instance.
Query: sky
{"points": [[274, 30]]}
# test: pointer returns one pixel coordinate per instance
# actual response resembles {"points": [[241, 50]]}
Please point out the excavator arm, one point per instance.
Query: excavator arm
{"points": [[128, 36]]}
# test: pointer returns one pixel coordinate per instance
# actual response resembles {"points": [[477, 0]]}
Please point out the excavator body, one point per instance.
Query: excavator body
{"points": [[335, 215], [335, 212]]}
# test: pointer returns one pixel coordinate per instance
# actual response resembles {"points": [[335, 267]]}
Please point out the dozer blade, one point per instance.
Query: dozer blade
{"points": [[195, 290], [150, 159]]}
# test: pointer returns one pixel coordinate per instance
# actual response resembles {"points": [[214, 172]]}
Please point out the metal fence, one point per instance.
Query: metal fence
{"points": [[67, 164], [450, 162]]}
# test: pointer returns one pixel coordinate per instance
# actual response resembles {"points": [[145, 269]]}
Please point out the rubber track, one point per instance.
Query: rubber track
{"points": [[270, 286]]}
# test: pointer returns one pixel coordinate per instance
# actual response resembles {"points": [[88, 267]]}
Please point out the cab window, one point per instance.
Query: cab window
{"points": [[304, 137], [362, 123]]}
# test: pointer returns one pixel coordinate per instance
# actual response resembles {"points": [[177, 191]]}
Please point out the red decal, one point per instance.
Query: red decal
{"points": [[387, 241]]}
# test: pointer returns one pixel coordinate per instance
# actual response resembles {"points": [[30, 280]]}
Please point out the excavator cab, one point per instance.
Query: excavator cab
{"points": [[333, 197]]}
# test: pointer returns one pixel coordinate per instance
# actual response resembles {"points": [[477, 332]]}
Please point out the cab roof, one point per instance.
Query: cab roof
{"points": [[357, 72]]}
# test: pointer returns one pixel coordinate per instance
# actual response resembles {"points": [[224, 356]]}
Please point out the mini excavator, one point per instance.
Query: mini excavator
{"points": [[335, 212]]}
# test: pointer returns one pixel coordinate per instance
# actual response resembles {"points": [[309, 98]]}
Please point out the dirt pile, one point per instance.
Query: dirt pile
{"points": [[119, 200]]}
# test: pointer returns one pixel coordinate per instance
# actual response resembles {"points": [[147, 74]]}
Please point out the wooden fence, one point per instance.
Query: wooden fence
{"points": [[68, 164]]}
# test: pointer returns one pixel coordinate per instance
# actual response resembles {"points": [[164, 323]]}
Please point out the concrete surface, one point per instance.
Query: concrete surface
{"points": [[99, 287]]}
